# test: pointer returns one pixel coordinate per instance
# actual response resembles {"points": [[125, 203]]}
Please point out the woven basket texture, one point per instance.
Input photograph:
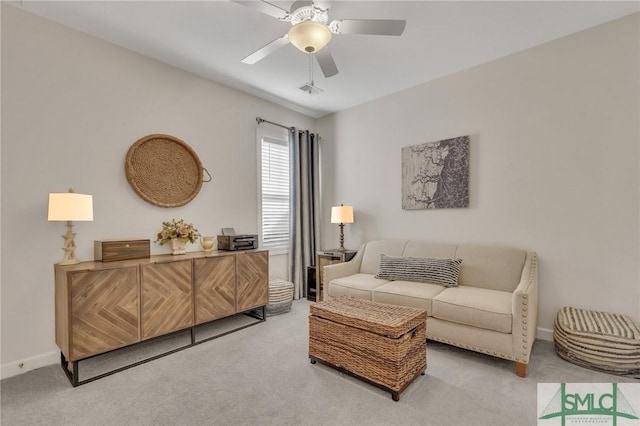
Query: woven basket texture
{"points": [[163, 170], [380, 318], [385, 344], [278, 308], [598, 340], [280, 290], [392, 363]]}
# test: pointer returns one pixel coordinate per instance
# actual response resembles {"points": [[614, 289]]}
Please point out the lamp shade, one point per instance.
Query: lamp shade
{"points": [[70, 206], [309, 36], [342, 214]]}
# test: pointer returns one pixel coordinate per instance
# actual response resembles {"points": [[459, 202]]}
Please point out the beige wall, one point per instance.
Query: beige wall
{"points": [[554, 164], [72, 105]]}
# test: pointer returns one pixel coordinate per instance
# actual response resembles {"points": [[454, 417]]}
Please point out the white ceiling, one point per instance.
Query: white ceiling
{"points": [[209, 38]]}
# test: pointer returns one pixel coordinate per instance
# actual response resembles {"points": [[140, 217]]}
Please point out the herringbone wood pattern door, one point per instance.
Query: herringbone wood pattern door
{"points": [[253, 280], [215, 287], [167, 303], [104, 310]]}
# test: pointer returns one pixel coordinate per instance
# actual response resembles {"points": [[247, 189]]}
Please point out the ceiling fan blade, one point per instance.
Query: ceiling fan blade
{"points": [[326, 62], [393, 27], [323, 5], [266, 50], [266, 8]]}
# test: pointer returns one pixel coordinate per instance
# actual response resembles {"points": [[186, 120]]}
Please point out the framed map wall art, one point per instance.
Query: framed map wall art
{"points": [[435, 175]]}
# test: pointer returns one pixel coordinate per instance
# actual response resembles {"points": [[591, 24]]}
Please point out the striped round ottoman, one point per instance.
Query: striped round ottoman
{"points": [[598, 340], [280, 296]]}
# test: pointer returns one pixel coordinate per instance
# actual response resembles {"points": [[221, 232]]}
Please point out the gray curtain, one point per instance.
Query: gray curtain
{"points": [[305, 208]]}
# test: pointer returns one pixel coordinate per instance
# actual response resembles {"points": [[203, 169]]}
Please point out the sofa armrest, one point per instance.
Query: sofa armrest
{"points": [[339, 270], [525, 310]]}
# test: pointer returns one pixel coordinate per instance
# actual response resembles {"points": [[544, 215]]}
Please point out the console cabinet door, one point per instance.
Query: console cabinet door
{"points": [[167, 297], [103, 309], [252, 270], [215, 287]]}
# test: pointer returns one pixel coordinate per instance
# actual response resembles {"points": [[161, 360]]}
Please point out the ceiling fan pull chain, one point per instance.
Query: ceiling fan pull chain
{"points": [[311, 68]]}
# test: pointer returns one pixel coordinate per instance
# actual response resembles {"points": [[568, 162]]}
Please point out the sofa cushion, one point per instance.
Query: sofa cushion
{"points": [[357, 285], [373, 250], [421, 269], [407, 293], [478, 307], [492, 267]]}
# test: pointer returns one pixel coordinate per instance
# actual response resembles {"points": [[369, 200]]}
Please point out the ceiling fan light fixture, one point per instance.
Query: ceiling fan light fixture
{"points": [[309, 36]]}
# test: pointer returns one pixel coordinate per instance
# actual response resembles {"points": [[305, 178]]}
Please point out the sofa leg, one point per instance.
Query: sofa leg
{"points": [[521, 369]]}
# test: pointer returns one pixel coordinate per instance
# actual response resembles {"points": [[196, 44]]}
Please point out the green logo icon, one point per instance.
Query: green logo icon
{"points": [[564, 404]]}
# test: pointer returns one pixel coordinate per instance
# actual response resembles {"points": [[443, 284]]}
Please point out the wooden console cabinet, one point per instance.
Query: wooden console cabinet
{"points": [[215, 288], [252, 277], [100, 307], [96, 310], [166, 298], [225, 285]]}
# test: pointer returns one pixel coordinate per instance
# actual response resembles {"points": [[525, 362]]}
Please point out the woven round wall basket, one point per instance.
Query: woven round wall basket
{"points": [[164, 171]]}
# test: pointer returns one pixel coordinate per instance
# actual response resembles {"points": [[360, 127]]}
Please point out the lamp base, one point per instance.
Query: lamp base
{"points": [[69, 247], [341, 248]]}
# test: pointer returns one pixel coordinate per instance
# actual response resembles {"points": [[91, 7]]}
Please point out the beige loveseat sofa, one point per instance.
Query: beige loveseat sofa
{"points": [[493, 310]]}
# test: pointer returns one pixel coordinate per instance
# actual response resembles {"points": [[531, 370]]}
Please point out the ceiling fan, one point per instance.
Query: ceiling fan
{"points": [[311, 30]]}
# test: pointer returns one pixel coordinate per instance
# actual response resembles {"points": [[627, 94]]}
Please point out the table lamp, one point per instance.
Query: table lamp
{"points": [[342, 214], [68, 207]]}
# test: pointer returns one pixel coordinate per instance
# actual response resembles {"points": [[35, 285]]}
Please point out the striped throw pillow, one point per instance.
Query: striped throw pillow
{"points": [[421, 269]]}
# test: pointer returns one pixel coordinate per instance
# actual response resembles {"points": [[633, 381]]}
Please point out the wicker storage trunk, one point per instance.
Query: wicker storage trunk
{"points": [[383, 344]]}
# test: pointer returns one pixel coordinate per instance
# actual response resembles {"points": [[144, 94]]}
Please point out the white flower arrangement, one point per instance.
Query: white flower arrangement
{"points": [[177, 230]]}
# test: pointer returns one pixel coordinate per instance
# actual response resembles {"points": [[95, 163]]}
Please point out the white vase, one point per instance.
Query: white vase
{"points": [[178, 246], [207, 243]]}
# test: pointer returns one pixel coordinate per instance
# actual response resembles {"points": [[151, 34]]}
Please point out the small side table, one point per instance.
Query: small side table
{"points": [[329, 257]]}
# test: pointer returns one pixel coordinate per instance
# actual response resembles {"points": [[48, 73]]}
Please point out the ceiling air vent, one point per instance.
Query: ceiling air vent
{"points": [[310, 89]]}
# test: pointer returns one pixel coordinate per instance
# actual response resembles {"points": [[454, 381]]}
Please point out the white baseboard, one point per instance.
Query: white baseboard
{"points": [[11, 369], [544, 334]]}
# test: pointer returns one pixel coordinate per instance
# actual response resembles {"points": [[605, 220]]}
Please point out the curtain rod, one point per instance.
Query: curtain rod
{"points": [[262, 120]]}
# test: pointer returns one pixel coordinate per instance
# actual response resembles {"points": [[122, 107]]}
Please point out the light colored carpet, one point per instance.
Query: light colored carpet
{"points": [[262, 376]]}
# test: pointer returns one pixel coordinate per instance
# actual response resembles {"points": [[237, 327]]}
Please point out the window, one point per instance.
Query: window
{"points": [[274, 192]]}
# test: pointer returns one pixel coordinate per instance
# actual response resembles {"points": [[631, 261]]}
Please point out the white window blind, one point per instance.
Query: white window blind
{"points": [[275, 193]]}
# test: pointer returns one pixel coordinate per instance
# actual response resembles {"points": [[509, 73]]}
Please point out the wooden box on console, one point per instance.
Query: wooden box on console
{"points": [[113, 250]]}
